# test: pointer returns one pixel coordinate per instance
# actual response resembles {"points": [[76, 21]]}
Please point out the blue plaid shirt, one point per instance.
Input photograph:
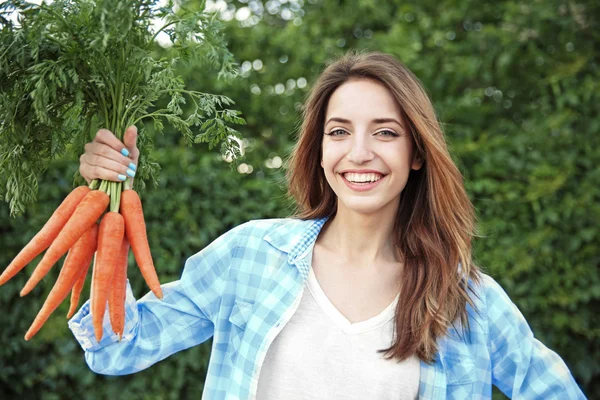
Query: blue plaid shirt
{"points": [[245, 286]]}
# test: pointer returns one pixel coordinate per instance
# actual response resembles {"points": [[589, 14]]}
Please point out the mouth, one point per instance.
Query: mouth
{"points": [[362, 182], [359, 179]]}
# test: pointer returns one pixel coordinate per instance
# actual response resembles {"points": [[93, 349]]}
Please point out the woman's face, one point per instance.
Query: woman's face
{"points": [[367, 151]]}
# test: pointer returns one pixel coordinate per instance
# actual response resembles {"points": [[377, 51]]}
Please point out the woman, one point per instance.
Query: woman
{"points": [[368, 293]]}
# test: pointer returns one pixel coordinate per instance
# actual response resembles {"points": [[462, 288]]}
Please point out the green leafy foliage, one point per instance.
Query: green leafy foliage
{"points": [[68, 66]]}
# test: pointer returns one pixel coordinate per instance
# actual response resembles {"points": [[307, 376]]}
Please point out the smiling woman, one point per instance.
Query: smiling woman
{"points": [[368, 292], [368, 114], [367, 149]]}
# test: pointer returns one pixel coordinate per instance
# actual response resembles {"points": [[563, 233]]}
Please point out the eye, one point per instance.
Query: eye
{"points": [[388, 133], [335, 132]]}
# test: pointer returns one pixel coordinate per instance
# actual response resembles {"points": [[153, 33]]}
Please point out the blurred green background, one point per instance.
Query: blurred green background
{"points": [[516, 87]]}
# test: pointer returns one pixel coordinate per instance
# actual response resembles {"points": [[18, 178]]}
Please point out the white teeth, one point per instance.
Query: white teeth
{"points": [[359, 178]]}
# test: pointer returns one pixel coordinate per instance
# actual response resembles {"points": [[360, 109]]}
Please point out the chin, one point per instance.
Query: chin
{"points": [[365, 206]]}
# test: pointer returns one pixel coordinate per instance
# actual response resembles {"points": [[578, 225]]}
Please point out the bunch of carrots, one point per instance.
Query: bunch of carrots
{"points": [[74, 228]]}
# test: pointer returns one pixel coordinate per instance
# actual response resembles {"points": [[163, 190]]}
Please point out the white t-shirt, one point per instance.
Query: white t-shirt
{"points": [[320, 355]]}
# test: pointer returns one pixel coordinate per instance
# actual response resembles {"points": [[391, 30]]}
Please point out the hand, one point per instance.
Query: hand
{"points": [[103, 158]]}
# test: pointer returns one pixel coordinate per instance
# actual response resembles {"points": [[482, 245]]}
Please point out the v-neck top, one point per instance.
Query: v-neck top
{"points": [[319, 354], [339, 319]]}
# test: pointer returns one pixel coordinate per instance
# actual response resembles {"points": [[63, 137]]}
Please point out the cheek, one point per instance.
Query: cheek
{"points": [[396, 156], [333, 153], [327, 160]]}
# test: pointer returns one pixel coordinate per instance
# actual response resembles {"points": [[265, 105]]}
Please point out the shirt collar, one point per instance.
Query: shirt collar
{"points": [[295, 237]]}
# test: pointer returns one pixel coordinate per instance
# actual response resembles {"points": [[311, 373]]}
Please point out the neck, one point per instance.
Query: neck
{"points": [[360, 239]]}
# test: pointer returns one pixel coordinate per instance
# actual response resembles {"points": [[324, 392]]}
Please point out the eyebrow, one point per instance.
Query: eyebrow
{"points": [[376, 120]]}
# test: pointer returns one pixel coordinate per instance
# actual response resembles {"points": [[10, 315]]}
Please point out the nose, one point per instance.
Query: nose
{"points": [[360, 152]]}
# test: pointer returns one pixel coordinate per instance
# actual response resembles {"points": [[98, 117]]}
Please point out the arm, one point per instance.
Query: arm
{"points": [[522, 367], [155, 329]]}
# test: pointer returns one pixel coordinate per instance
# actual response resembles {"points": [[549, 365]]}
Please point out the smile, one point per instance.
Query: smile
{"points": [[362, 178], [362, 182]]}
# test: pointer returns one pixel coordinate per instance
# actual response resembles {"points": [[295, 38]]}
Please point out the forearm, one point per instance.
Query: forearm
{"points": [[154, 329]]}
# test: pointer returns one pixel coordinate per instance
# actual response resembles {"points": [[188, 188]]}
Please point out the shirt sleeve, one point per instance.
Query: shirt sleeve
{"points": [[522, 367], [155, 329]]}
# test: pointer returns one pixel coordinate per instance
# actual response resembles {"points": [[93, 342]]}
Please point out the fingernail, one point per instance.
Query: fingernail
{"points": [[125, 152], [131, 173], [122, 177], [133, 166]]}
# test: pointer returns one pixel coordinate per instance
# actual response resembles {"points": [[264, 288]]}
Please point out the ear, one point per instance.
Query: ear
{"points": [[417, 162]]}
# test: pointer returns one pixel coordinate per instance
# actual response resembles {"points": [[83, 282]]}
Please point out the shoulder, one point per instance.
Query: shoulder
{"points": [[276, 228], [268, 224], [282, 233], [490, 295], [264, 227], [253, 235], [499, 314], [494, 322]]}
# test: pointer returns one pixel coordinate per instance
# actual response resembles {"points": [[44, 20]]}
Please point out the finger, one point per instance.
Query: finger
{"points": [[94, 166], [100, 173], [103, 150], [130, 139], [108, 138]]}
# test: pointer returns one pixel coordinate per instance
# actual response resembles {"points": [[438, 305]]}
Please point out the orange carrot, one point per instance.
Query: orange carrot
{"points": [[78, 286], [135, 226], [85, 215], [92, 298], [110, 238], [76, 291], [116, 299], [77, 259], [44, 238]]}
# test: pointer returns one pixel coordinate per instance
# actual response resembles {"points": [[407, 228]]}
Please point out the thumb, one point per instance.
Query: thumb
{"points": [[130, 139]]}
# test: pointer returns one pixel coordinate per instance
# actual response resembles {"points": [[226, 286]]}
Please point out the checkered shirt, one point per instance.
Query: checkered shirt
{"points": [[243, 288]]}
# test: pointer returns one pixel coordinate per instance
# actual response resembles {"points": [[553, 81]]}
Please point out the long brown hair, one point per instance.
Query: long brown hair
{"points": [[435, 221]]}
